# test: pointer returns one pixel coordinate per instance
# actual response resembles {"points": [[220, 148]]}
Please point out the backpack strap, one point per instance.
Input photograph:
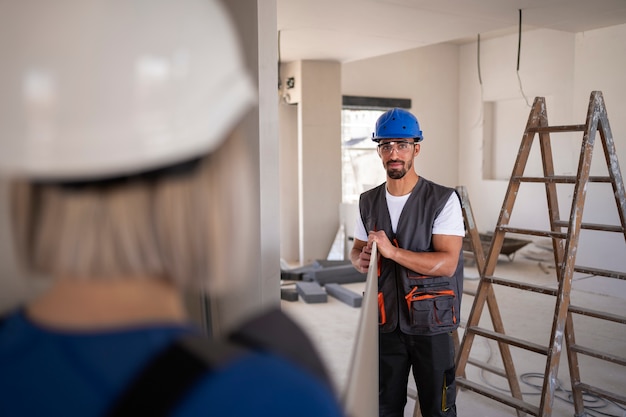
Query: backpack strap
{"points": [[276, 333], [170, 375]]}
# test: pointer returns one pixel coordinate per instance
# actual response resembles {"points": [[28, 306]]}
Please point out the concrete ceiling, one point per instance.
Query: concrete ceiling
{"points": [[349, 30]]}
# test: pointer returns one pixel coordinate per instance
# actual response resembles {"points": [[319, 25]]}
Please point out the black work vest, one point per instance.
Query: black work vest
{"points": [[420, 305]]}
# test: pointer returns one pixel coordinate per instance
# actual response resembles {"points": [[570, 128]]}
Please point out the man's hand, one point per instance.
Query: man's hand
{"points": [[364, 258], [360, 255], [383, 244]]}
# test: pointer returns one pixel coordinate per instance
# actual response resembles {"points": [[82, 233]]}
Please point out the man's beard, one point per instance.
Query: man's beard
{"points": [[396, 174]]}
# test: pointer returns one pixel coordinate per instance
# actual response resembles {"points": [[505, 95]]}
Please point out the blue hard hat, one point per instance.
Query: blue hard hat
{"points": [[397, 124]]}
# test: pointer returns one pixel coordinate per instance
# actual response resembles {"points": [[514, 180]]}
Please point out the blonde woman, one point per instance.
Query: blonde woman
{"points": [[129, 186]]}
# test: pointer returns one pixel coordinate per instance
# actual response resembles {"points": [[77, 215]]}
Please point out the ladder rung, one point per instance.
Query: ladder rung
{"points": [[498, 396], [469, 292], [559, 179], [564, 128], [544, 233], [521, 285], [487, 367], [592, 226], [513, 341], [598, 354], [600, 272], [602, 393], [597, 314]]}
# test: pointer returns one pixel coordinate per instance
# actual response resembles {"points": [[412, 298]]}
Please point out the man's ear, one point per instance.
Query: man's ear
{"points": [[416, 150]]}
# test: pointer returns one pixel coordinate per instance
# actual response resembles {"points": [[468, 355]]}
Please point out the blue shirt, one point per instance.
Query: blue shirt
{"points": [[49, 372]]}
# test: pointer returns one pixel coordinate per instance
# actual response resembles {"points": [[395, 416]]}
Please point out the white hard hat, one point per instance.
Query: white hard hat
{"points": [[100, 88]]}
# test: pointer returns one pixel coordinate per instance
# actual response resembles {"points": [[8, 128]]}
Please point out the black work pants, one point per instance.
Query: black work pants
{"points": [[432, 359]]}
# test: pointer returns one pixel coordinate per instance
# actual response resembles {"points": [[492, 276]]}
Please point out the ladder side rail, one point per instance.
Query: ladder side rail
{"points": [[479, 298], [558, 249], [566, 269], [597, 119], [537, 117], [485, 290], [505, 350], [472, 229], [496, 319], [610, 154], [551, 195], [481, 295]]}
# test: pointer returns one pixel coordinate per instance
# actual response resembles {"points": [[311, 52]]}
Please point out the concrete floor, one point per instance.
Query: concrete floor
{"points": [[526, 315]]}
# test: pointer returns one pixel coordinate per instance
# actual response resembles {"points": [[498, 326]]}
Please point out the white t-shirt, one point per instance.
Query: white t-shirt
{"points": [[448, 222]]}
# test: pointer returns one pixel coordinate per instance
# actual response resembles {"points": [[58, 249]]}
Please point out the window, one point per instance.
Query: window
{"points": [[361, 167]]}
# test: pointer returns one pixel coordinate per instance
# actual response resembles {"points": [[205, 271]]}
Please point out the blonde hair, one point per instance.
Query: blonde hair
{"points": [[186, 228]]}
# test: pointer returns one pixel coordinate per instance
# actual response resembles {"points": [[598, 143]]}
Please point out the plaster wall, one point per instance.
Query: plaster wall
{"points": [[564, 68], [429, 77]]}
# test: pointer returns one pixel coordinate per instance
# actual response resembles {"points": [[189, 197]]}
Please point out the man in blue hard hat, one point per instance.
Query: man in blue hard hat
{"points": [[418, 229]]}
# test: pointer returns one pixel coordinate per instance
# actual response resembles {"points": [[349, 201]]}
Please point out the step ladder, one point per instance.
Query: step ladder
{"points": [[492, 305], [564, 235]]}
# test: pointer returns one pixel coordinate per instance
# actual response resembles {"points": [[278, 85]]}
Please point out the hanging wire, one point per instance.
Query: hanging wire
{"points": [[480, 81], [279, 80], [594, 405], [519, 49], [480, 78]]}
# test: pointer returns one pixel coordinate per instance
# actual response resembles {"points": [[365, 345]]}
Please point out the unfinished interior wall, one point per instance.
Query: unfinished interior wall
{"points": [[564, 68], [429, 77]]}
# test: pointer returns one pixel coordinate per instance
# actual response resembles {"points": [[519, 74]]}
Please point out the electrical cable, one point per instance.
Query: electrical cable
{"points": [[519, 49], [279, 80], [592, 403], [480, 81]]}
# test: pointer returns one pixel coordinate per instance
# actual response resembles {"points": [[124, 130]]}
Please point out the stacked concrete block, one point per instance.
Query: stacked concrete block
{"points": [[311, 292], [340, 274], [314, 282], [289, 294], [344, 294], [295, 274]]}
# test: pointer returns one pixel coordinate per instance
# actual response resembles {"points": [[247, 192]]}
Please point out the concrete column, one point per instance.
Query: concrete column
{"points": [[319, 117], [315, 88], [256, 21]]}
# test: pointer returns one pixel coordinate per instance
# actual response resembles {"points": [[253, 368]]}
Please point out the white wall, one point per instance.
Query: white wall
{"points": [[564, 68], [429, 77], [443, 83]]}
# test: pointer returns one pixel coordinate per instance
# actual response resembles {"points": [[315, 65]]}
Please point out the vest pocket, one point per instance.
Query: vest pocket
{"points": [[431, 309]]}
